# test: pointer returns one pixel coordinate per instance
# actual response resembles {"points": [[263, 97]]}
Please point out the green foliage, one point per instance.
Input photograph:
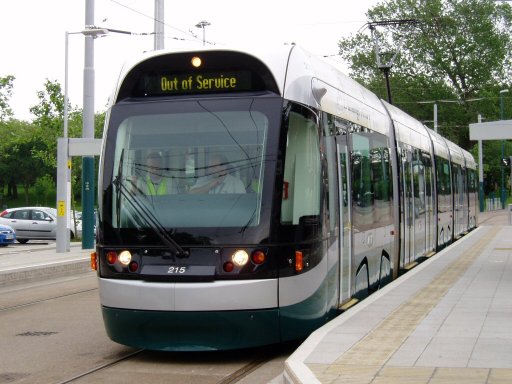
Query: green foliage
{"points": [[28, 151], [492, 166], [49, 120], [19, 166], [33, 199], [50, 110], [44, 188], [6, 84], [456, 51], [455, 54]]}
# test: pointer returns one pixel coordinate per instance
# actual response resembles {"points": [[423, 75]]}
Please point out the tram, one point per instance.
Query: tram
{"points": [[246, 198]]}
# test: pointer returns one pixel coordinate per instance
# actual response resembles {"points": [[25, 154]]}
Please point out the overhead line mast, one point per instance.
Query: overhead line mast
{"points": [[159, 25], [385, 66]]}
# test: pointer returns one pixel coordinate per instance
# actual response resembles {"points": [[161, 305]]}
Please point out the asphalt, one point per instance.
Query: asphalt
{"points": [[447, 321]]}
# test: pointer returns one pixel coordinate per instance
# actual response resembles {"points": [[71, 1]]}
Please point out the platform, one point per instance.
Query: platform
{"points": [[21, 264], [447, 321]]}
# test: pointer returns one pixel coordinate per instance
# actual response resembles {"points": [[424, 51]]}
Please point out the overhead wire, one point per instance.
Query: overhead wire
{"points": [[160, 21]]}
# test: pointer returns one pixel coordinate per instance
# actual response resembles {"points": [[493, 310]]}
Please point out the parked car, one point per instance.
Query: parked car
{"points": [[7, 235], [32, 223]]}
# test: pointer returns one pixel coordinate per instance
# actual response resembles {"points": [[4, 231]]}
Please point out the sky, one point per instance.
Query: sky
{"points": [[32, 36]]}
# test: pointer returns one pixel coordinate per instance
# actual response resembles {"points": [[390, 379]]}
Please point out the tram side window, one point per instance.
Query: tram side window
{"points": [[381, 172], [362, 184], [301, 190], [443, 176], [419, 186], [443, 184], [381, 180], [458, 183], [472, 182], [427, 162], [372, 187]]}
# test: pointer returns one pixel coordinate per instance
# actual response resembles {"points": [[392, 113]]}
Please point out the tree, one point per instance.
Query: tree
{"points": [[6, 84], [28, 150], [44, 188], [18, 163], [51, 106], [456, 50], [49, 120]]}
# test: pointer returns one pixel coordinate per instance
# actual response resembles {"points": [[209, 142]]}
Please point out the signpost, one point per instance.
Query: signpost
{"points": [[493, 130]]}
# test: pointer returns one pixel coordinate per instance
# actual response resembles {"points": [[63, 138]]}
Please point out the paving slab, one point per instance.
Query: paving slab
{"points": [[446, 321]]}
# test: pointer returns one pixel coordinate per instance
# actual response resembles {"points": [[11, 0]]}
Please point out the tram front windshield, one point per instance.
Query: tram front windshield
{"points": [[190, 166]]}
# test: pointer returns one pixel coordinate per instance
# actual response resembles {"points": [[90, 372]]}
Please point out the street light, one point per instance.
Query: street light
{"points": [[63, 163], [503, 194], [94, 32], [203, 24], [63, 166]]}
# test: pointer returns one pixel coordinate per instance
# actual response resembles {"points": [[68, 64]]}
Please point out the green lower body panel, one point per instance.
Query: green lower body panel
{"points": [[299, 320], [192, 331]]}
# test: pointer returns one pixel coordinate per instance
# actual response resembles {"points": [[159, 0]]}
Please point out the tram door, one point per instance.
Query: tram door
{"points": [[419, 202], [345, 219], [458, 195], [430, 225], [407, 208]]}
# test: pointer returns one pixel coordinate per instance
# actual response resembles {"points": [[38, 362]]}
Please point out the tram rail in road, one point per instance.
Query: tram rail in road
{"points": [[56, 325], [54, 321]]}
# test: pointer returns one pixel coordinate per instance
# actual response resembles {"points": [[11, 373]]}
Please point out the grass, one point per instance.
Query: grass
{"points": [[34, 200]]}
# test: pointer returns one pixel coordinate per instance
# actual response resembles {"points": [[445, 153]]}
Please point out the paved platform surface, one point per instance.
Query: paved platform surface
{"points": [[21, 263], [447, 321]]}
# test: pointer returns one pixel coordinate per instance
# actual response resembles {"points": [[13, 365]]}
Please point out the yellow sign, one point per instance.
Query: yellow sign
{"points": [[61, 208], [198, 82]]}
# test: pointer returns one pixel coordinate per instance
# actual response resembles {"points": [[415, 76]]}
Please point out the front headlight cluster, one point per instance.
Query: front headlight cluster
{"points": [[122, 260], [240, 258]]}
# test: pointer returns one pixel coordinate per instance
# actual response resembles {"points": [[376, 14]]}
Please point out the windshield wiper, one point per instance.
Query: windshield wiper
{"points": [[146, 214], [118, 179]]}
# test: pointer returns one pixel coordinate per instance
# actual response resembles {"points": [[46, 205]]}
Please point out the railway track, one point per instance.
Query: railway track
{"points": [[230, 377], [57, 323], [39, 301]]}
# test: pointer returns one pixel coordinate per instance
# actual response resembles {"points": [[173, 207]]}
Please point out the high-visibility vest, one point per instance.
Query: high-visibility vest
{"points": [[160, 190]]}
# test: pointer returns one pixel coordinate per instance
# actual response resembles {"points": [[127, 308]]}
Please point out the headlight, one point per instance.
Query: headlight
{"points": [[240, 257], [125, 257]]}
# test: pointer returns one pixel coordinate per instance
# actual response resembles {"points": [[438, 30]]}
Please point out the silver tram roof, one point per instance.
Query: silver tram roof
{"points": [[314, 81], [304, 78]]}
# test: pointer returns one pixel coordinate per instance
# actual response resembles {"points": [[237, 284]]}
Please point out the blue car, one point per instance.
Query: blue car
{"points": [[7, 235]]}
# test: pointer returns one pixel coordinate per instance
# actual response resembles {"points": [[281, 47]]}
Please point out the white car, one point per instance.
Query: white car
{"points": [[32, 223]]}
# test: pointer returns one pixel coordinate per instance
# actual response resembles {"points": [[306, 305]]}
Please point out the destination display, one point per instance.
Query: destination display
{"points": [[210, 82]]}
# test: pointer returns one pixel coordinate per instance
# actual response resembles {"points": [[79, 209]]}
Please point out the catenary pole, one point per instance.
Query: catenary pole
{"points": [[88, 184], [159, 25], [480, 170]]}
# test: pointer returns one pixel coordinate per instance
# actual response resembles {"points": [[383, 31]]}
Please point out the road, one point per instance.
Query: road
{"points": [[52, 332]]}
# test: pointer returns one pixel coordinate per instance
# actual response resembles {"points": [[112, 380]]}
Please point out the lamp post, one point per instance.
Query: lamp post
{"points": [[503, 194], [63, 160], [94, 32], [203, 24]]}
